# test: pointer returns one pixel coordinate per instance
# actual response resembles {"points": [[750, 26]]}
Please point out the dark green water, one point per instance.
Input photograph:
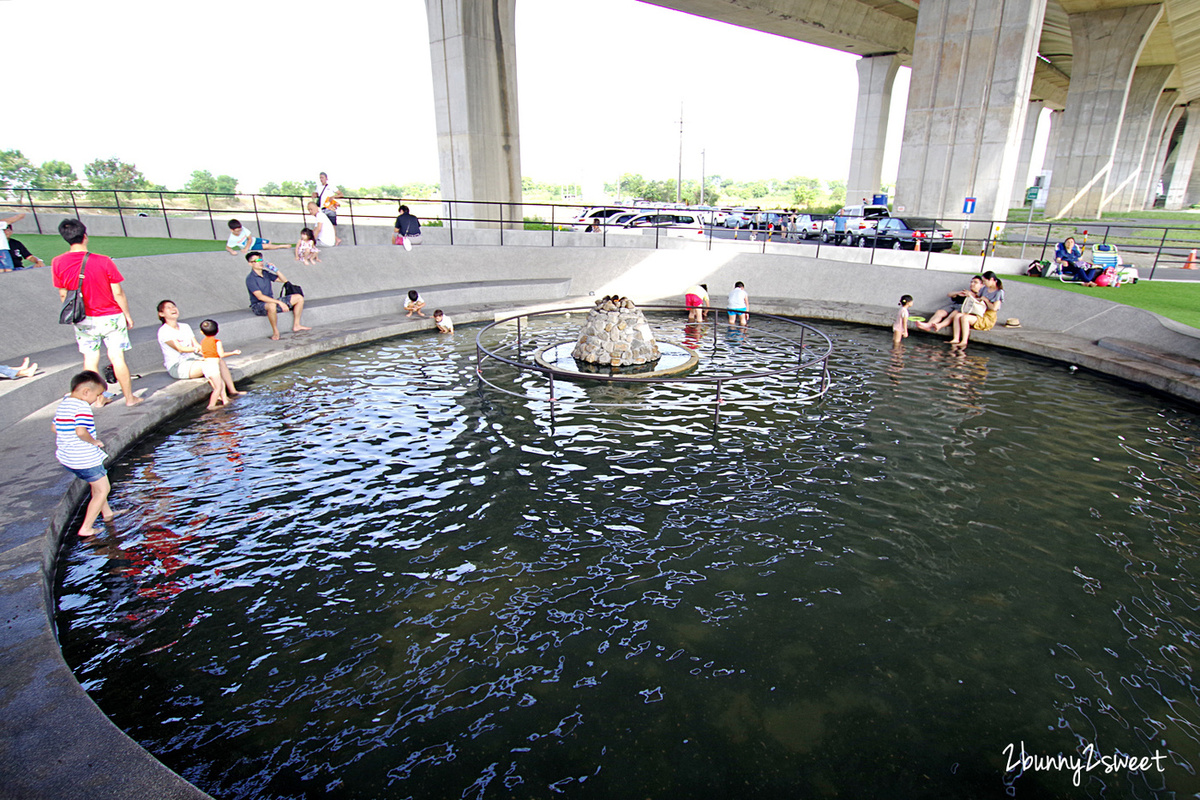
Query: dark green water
{"points": [[369, 580]]}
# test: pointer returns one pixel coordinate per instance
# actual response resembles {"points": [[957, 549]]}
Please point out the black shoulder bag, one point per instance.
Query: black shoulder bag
{"points": [[72, 308]]}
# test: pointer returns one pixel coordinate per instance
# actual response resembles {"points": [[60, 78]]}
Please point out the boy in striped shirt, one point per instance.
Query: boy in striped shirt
{"points": [[79, 449]]}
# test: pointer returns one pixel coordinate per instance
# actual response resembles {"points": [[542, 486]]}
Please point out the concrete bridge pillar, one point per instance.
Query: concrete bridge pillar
{"points": [[1165, 112], [1130, 159], [1021, 180], [876, 75], [473, 48], [1173, 115], [1185, 159], [1106, 46], [972, 69]]}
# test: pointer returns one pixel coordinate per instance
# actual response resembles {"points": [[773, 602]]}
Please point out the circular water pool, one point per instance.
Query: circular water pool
{"points": [[369, 579]]}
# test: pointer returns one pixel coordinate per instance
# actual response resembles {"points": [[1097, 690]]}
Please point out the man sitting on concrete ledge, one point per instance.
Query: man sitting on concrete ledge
{"points": [[258, 283]]}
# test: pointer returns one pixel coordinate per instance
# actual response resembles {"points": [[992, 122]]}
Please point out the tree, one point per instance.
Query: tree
{"points": [[113, 173], [271, 188], [298, 188], [807, 191], [16, 171], [57, 175], [203, 181], [837, 192]]}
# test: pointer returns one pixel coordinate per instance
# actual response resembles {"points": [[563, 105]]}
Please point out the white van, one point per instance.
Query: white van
{"points": [[852, 223]]}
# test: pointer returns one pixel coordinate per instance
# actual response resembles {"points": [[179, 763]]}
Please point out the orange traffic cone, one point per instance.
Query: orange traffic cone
{"points": [[1191, 261], [916, 245]]}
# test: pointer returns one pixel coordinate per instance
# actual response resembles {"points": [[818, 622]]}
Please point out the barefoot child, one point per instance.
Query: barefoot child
{"points": [[414, 303], [213, 351], [78, 449], [900, 326], [306, 248], [443, 322]]}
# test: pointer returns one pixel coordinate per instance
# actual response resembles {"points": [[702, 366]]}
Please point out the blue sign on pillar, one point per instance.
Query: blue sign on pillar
{"points": [[969, 205]]}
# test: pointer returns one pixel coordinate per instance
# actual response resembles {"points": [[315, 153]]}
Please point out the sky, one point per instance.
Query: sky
{"points": [[274, 90]]}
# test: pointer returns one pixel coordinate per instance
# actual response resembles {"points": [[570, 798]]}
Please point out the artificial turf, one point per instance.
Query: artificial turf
{"points": [[1173, 300], [46, 246]]}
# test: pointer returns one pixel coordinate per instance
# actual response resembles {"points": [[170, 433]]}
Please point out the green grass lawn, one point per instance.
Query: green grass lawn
{"points": [[1177, 301], [48, 246]]}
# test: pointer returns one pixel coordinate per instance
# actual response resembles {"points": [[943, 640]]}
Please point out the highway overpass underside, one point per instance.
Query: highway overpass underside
{"points": [[1122, 73]]}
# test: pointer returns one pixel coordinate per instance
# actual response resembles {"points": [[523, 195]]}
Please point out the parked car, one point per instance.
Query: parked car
{"points": [[807, 225], [718, 217], [585, 220], [903, 233], [851, 222], [740, 217], [771, 220], [669, 223]]}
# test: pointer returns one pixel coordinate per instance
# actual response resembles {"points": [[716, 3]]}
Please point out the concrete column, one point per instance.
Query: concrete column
{"points": [[473, 47], [1056, 117], [876, 74], [1165, 112], [972, 68], [1130, 160], [1106, 46], [1021, 180], [1192, 197], [1185, 159]]}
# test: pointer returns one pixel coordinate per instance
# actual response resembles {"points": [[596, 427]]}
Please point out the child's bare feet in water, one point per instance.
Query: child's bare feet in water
{"points": [[86, 532]]}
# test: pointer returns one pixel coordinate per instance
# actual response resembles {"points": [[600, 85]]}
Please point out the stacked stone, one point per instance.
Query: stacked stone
{"points": [[616, 334]]}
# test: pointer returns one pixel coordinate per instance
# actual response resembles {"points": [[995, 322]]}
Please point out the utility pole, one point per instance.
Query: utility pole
{"points": [[679, 182], [701, 177]]}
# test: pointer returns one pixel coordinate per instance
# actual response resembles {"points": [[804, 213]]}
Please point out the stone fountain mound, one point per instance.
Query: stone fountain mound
{"points": [[616, 334]]}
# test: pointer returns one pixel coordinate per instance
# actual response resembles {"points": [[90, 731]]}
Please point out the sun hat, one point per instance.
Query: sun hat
{"points": [[1012, 322]]}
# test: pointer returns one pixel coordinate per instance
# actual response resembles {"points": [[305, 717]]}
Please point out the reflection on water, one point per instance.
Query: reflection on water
{"points": [[368, 579]]}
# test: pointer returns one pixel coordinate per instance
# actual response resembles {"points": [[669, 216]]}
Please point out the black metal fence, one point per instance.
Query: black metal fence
{"points": [[1165, 246]]}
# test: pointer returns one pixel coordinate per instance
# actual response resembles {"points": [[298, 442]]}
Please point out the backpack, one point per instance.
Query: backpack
{"points": [[1035, 269]]}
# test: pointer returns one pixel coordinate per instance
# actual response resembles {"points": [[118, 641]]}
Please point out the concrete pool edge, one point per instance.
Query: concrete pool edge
{"points": [[57, 743]]}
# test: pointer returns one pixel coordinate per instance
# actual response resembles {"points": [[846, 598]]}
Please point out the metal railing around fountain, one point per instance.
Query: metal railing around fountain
{"points": [[812, 351]]}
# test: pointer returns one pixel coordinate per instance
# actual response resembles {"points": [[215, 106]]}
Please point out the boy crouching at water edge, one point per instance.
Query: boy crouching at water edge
{"points": [[79, 450], [443, 322], [213, 351]]}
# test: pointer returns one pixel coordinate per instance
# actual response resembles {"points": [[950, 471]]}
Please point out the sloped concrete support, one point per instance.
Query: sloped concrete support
{"points": [[1185, 159], [1022, 180], [972, 70], [1133, 142], [876, 75], [473, 47], [1107, 45], [1166, 113], [1192, 197]]}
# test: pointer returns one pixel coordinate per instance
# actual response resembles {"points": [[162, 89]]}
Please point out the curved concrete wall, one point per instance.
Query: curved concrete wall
{"points": [[55, 743]]}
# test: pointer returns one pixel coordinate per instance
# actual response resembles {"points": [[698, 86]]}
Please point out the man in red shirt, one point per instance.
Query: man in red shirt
{"points": [[107, 317]]}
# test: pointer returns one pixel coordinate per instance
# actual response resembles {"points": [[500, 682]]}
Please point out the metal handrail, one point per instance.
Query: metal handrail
{"points": [[1142, 240]]}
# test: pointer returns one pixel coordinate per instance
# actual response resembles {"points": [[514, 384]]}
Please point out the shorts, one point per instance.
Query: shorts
{"points": [[329, 212], [109, 329], [179, 370], [260, 309], [259, 244], [737, 310], [89, 474], [6, 261], [694, 301], [985, 322]]}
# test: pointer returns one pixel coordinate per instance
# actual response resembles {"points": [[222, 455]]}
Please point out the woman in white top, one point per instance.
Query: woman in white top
{"points": [[181, 352]]}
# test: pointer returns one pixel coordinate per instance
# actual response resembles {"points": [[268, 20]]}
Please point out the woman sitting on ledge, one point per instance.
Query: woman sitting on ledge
{"points": [[181, 352]]}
